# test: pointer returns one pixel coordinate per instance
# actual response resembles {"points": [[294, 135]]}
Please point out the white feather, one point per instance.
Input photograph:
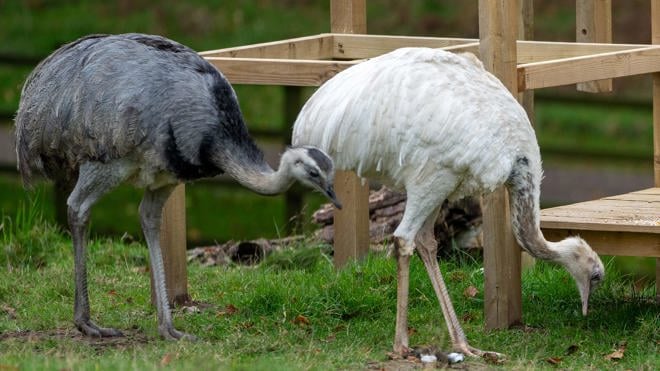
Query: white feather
{"points": [[415, 118]]}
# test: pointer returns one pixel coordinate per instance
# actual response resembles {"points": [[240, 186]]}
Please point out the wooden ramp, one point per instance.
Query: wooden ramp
{"points": [[627, 224]]}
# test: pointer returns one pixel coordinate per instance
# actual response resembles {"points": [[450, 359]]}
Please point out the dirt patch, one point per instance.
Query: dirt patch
{"points": [[130, 339], [412, 360]]}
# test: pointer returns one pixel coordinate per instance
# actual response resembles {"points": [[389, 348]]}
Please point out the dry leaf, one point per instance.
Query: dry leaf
{"points": [[11, 312], [617, 354], [230, 309], [468, 317], [470, 292], [143, 269], [167, 358], [301, 320], [553, 360]]}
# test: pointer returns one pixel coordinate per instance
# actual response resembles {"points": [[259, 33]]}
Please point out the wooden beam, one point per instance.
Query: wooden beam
{"points": [[586, 68], [293, 72], [347, 46], [540, 51], [309, 47], [173, 247], [616, 243], [655, 39], [352, 222], [498, 21], [464, 48], [593, 23]]}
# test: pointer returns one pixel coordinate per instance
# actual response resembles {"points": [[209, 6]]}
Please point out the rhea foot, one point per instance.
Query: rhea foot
{"points": [[90, 328], [471, 351], [170, 333]]}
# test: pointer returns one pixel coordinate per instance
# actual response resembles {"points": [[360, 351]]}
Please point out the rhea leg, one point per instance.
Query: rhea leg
{"points": [[151, 211], [93, 182], [427, 248], [404, 244], [403, 282]]}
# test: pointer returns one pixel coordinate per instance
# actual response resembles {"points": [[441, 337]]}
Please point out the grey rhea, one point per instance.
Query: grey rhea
{"points": [[142, 109]]}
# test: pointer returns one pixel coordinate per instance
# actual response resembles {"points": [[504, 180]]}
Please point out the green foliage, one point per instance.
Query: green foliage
{"points": [[26, 240]]}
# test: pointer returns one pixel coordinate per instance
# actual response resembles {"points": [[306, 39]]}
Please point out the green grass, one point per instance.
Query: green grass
{"points": [[254, 321]]}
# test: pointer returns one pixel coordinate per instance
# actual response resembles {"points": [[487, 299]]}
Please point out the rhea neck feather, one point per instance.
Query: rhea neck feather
{"points": [[573, 253], [257, 175]]}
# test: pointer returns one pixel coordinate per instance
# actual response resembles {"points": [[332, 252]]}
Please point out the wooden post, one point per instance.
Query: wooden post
{"points": [[352, 222], [293, 197], [348, 16], [655, 39], [173, 247], [593, 24], [498, 23]]}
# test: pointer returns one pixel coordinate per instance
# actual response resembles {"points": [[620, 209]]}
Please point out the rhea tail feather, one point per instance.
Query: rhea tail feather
{"points": [[573, 253]]}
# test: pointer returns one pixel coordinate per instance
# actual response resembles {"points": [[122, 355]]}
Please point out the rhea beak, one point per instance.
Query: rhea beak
{"points": [[330, 193]]}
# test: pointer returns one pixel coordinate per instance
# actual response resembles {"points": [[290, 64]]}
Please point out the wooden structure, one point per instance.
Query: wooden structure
{"points": [[623, 225]]}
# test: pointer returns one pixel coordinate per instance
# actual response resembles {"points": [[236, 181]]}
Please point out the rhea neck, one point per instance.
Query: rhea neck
{"points": [[258, 176]]}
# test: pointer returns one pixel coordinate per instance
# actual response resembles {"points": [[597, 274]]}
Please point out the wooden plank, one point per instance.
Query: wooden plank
{"points": [[565, 223], [648, 191], [655, 39], [292, 72], [464, 48], [539, 51], [502, 267], [368, 46], [308, 47], [362, 46], [615, 243], [619, 206], [593, 23], [352, 222], [586, 68], [173, 247]]}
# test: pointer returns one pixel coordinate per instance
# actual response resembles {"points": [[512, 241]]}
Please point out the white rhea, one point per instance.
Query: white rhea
{"points": [[141, 109], [439, 126]]}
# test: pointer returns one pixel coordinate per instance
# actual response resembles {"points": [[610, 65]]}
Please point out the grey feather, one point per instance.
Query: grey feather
{"points": [[105, 97]]}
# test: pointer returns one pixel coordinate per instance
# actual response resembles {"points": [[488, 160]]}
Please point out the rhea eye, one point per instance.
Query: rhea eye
{"points": [[313, 173]]}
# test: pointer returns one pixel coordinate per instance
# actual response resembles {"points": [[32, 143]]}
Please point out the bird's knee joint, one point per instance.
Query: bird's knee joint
{"points": [[403, 247]]}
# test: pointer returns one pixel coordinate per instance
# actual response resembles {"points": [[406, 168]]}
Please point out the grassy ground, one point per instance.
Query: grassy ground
{"points": [[299, 317]]}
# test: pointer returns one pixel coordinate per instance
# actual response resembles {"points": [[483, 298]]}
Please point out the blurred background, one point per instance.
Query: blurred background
{"points": [[592, 145]]}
